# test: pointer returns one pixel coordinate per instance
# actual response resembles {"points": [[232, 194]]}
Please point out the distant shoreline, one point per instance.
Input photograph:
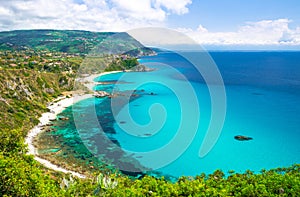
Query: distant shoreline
{"points": [[56, 107]]}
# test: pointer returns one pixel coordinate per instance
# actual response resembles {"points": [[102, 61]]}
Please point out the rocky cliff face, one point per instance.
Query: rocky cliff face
{"points": [[24, 94]]}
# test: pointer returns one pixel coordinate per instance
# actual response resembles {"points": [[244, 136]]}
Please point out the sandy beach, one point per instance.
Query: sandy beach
{"points": [[56, 107], [89, 80]]}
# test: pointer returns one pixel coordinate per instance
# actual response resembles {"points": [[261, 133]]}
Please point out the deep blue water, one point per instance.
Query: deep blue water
{"points": [[163, 127]]}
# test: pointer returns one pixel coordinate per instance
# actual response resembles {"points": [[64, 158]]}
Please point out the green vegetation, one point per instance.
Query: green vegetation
{"points": [[122, 63], [51, 40], [26, 87], [95, 64], [72, 42], [24, 94]]}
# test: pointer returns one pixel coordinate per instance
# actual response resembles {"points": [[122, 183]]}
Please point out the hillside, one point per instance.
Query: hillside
{"points": [[70, 41]]}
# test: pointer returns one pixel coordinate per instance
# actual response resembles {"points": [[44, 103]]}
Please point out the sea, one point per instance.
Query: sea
{"points": [[181, 120]]}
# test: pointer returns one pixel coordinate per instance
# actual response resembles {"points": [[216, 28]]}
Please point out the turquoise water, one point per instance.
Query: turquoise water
{"points": [[263, 102]]}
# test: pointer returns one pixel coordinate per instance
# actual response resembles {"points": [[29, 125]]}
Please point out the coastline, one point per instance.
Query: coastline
{"points": [[88, 81], [56, 107]]}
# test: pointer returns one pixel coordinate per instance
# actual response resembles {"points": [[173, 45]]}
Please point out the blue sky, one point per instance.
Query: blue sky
{"points": [[214, 23], [227, 15]]}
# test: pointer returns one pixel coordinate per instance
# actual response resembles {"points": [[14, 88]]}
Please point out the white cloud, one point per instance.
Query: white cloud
{"points": [[123, 15], [175, 6], [94, 15], [138, 10], [265, 32], [202, 29]]}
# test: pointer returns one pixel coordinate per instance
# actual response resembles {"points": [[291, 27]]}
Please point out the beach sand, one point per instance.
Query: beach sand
{"points": [[56, 107], [89, 80]]}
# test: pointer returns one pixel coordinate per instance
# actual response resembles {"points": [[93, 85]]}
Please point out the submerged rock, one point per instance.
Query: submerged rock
{"points": [[242, 138]]}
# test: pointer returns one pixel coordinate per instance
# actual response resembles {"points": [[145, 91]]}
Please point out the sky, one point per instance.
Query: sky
{"points": [[219, 24]]}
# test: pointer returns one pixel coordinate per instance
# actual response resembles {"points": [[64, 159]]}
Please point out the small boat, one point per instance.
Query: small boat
{"points": [[242, 138]]}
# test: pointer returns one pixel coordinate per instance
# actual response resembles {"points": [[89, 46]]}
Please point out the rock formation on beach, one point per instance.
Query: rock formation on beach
{"points": [[100, 94]]}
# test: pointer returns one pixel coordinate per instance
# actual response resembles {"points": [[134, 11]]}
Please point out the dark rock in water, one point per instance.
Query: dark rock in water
{"points": [[115, 142], [257, 93], [138, 175], [242, 138], [142, 68], [63, 118], [101, 94]]}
